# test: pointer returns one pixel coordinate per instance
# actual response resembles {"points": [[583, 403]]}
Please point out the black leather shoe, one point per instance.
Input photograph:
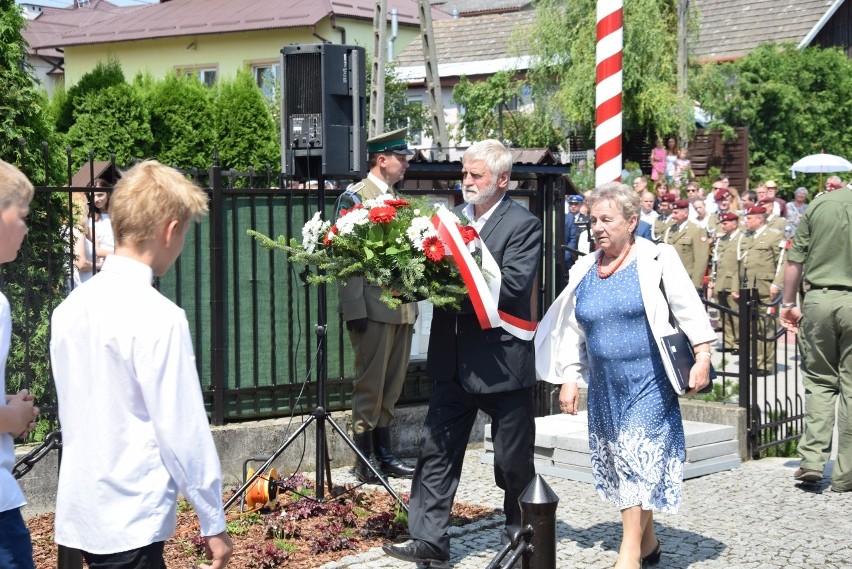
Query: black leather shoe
{"points": [[654, 557], [391, 465], [364, 442], [417, 551], [397, 469]]}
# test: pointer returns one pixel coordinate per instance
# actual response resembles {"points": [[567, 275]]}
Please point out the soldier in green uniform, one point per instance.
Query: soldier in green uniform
{"points": [[724, 278], [664, 220], [773, 219], [822, 254], [381, 336], [723, 204], [690, 241], [761, 265]]}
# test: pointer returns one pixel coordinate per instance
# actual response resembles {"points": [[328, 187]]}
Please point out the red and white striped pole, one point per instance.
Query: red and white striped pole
{"points": [[608, 87]]}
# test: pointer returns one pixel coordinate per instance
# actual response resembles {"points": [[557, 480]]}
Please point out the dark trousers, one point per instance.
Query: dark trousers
{"points": [[449, 420], [16, 549], [147, 557]]}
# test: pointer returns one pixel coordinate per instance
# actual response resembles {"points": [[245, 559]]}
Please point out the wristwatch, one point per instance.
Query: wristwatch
{"points": [[788, 304]]}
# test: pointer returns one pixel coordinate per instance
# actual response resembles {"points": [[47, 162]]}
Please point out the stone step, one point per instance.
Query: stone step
{"points": [[562, 447]]}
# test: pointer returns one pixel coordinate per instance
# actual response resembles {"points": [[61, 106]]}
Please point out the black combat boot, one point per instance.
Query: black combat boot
{"points": [[391, 465], [364, 442]]}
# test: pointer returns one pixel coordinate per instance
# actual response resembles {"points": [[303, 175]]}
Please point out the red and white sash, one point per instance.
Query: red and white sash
{"points": [[484, 295]]}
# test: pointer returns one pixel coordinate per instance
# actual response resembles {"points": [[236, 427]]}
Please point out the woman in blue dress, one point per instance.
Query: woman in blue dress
{"points": [[604, 329]]}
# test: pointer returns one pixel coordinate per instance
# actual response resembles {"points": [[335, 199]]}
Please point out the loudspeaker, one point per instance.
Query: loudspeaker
{"points": [[323, 100]]}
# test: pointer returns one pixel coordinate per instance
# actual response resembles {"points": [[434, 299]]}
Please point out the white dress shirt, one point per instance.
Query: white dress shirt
{"points": [[134, 430], [10, 493]]}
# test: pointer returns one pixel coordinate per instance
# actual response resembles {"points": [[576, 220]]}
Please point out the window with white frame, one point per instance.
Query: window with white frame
{"points": [[266, 77], [206, 74]]}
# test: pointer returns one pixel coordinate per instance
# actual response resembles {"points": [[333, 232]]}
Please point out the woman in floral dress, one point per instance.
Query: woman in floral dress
{"points": [[604, 329]]}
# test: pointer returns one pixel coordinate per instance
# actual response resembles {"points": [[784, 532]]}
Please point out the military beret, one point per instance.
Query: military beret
{"points": [[755, 210], [575, 198], [393, 141], [721, 194], [728, 216], [668, 198], [680, 204]]}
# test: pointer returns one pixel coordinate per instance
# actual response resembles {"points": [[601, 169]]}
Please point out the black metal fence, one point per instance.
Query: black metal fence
{"points": [[254, 320]]}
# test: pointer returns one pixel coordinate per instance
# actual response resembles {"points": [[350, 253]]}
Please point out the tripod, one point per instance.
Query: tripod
{"points": [[320, 415]]}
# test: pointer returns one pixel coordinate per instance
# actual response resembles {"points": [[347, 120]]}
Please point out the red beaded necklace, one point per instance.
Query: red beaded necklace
{"points": [[614, 267]]}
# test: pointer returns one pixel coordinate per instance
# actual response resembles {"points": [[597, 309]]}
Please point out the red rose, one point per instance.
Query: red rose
{"points": [[468, 233], [331, 232], [398, 203], [433, 248], [382, 214]]}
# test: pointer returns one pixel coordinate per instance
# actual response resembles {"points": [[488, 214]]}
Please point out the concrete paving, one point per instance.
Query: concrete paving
{"points": [[754, 516]]}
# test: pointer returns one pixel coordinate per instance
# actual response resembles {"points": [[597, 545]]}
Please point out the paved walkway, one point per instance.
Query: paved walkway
{"points": [[755, 516]]}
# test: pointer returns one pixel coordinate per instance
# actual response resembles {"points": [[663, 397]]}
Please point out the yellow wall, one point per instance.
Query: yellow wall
{"points": [[226, 52]]}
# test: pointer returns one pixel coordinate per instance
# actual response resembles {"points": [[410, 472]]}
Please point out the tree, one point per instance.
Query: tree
{"points": [[562, 43], [32, 288], [246, 134], [181, 121], [102, 76], [487, 113], [795, 102], [114, 120]]}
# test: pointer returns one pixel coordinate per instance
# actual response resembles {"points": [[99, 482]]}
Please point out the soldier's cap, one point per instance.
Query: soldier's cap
{"points": [[728, 216], [680, 204], [766, 200], [756, 210], [393, 141], [771, 184], [668, 198], [721, 194], [576, 198]]}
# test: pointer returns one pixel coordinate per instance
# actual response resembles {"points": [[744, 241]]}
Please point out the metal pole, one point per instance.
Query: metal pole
{"points": [[217, 293], [538, 509], [682, 61]]}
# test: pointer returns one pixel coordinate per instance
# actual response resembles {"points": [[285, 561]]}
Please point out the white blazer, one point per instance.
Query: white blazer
{"points": [[560, 345]]}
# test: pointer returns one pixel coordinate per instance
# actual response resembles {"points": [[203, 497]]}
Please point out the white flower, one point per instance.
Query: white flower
{"points": [[313, 231], [347, 223], [421, 227]]}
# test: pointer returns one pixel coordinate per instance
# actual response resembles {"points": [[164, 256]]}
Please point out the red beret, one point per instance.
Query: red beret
{"points": [[719, 195], [728, 216], [765, 200], [669, 198], [680, 204], [755, 210]]}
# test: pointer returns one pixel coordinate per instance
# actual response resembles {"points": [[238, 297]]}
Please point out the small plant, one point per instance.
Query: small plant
{"points": [[331, 539], [385, 525], [183, 506], [286, 546], [241, 525], [267, 556], [278, 526]]}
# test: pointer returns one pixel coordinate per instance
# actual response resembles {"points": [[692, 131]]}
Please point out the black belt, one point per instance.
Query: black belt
{"points": [[832, 287]]}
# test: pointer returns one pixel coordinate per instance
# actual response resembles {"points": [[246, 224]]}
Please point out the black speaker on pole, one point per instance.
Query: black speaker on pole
{"points": [[323, 99]]}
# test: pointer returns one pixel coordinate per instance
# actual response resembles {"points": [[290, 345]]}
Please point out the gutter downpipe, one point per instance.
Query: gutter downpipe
{"points": [[340, 29], [316, 35]]}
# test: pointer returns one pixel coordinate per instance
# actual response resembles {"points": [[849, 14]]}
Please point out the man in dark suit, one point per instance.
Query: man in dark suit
{"points": [[380, 336], [572, 231], [475, 369]]}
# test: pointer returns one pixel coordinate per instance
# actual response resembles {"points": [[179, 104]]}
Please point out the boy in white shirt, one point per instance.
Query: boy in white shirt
{"points": [[134, 429], [17, 413]]}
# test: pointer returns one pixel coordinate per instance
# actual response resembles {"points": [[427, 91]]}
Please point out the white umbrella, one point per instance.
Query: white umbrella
{"points": [[820, 164]]}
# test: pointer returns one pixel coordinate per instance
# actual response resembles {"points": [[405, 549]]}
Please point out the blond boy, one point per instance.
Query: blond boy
{"points": [[135, 432], [17, 412]]}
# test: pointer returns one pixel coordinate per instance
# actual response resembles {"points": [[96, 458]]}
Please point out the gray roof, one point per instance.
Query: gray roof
{"points": [[481, 6], [728, 29], [472, 38]]}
